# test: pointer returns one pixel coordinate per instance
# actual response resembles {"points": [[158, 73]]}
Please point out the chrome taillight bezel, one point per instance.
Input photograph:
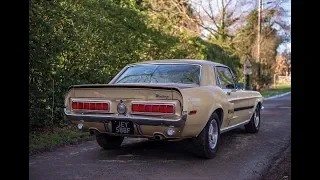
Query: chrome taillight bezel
{"points": [[153, 104], [90, 102]]}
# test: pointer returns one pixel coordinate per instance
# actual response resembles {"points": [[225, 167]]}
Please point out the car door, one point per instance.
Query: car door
{"points": [[236, 97]]}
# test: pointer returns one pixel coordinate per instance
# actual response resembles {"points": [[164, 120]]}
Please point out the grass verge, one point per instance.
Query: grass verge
{"points": [[282, 88], [46, 140]]}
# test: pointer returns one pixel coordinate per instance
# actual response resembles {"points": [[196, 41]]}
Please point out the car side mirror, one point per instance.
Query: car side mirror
{"points": [[230, 86], [240, 85]]}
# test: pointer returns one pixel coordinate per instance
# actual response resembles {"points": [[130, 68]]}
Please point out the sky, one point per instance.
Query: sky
{"points": [[285, 5]]}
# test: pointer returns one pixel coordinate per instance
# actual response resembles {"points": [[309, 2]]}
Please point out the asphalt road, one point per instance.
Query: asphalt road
{"points": [[241, 156]]}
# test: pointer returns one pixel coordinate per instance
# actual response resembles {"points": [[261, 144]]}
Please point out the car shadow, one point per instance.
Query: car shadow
{"points": [[142, 149]]}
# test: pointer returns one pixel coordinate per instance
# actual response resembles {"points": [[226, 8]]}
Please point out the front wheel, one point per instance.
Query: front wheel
{"points": [[206, 144], [254, 125]]}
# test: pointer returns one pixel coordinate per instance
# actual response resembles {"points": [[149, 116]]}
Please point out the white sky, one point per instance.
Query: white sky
{"points": [[252, 4]]}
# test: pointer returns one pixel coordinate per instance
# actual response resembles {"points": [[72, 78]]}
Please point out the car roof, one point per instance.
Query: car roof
{"points": [[183, 61]]}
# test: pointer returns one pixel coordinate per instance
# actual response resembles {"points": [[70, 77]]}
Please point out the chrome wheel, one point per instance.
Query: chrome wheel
{"points": [[256, 118], [213, 134]]}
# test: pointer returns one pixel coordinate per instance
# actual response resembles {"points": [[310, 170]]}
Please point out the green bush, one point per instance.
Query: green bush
{"points": [[75, 42]]}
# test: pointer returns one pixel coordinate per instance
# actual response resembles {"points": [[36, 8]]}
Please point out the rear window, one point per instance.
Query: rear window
{"points": [[161, 73]]}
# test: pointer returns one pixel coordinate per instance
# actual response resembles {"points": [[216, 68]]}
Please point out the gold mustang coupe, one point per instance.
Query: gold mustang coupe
{"points": [[166, 100]]}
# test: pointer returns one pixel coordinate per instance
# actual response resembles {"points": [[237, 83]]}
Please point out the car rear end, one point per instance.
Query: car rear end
{"points": [[127, 110], [143, 100]]}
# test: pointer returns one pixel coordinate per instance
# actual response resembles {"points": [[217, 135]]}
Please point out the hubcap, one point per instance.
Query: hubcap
{"points": [[256, 118], [213, 134]]}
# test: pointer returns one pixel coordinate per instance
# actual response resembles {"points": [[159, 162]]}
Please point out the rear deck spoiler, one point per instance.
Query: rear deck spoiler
{"points": [[124, 86]]}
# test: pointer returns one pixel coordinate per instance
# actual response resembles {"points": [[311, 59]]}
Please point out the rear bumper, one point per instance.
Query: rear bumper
{"points": [[139, 120]]}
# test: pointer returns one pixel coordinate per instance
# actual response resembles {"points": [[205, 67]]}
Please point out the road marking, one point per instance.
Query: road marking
{"points": [[116, 161], [277, 96], [73, 153], [127, 155]]}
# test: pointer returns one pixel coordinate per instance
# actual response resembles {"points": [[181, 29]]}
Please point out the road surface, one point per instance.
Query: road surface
{"points": [[241, 156]]}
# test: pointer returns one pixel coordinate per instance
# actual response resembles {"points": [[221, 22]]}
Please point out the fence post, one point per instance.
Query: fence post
{"points": [[247, 80]]}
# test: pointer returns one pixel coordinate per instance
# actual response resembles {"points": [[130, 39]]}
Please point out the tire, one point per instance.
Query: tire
{"points": [[203, 146], [254, 125], [109, 142]]}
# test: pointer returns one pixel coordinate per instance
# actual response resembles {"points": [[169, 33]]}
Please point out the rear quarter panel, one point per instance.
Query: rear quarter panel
{"points": [[204, 99]]}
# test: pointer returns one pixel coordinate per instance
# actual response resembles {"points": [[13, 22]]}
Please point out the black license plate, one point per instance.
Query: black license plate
{"points": [[122, 127]]}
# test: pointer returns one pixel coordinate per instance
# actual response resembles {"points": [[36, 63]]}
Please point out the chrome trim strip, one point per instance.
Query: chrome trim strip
{"points": [[89, 100], [223, 130], [244, 98], [140, 120]]}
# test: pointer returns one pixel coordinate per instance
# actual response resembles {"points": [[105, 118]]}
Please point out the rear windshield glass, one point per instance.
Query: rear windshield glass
{"points": [[161, 73]]}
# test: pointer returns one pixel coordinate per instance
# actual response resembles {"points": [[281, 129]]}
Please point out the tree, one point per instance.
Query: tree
{"points": [[84, 42], [245, 44], [283, 63], [174, 16], [219, 18]]}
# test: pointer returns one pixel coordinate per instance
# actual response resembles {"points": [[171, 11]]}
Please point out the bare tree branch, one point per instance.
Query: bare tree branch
{"points": [[218, 6], [211, 17], [228, 3]]}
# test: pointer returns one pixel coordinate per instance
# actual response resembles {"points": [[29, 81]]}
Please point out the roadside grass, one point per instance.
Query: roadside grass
{"points": [[46, 140], [279, 89]]}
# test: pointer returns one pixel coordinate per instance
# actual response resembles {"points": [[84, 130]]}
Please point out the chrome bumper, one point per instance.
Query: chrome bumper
{"points": [[140, 120]]}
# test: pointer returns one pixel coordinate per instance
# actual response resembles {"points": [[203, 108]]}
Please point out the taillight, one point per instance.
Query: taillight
{"points": [[91, 106], [135, 107], [152, 108]]}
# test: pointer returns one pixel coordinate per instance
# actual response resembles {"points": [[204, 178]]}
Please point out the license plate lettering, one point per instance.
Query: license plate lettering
{"points": [[122, 127]]}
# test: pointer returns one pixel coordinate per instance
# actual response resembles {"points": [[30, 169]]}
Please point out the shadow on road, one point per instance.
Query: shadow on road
{"points": [[174, 150]]}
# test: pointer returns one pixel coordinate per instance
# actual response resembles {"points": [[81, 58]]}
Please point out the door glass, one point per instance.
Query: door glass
{"points": [[226, 79]]}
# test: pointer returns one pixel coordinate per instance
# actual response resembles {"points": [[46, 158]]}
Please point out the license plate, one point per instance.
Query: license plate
{"points": [[122, 127]]}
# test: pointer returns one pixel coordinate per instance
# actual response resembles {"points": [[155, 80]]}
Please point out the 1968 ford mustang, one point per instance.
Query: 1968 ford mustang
{"points": [[166, 100]]}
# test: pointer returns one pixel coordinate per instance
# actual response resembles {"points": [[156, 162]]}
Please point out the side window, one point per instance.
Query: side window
{"points": [[225, 77]]}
